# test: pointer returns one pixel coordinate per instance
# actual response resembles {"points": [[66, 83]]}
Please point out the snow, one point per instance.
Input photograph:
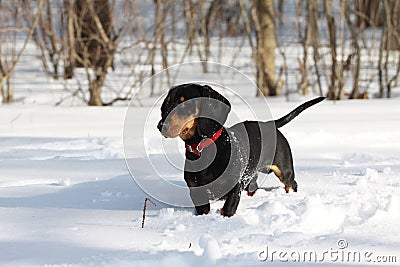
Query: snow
{"points": [[67, 198]]}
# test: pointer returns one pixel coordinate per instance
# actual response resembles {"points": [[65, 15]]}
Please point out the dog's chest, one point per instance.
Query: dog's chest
{"points": [[240, 152]]}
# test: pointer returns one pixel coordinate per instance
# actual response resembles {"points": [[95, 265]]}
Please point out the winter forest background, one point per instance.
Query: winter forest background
{"points": [[339, 49], [67, 196]]}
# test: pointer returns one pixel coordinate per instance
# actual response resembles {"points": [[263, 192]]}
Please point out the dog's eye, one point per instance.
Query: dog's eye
{"points": [[182, 98]]}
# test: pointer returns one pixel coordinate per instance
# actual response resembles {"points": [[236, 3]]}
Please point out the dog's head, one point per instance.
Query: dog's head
{"points": [[192, 108]]}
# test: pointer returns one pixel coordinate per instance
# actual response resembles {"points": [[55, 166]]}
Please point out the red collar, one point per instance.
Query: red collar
{"points": [[197, 148]]}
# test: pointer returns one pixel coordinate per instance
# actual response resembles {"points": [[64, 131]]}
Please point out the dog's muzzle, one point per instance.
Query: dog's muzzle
{"points": [[163, 127]]}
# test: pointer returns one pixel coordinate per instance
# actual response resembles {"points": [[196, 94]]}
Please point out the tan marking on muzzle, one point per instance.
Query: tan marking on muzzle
{"points": [[184, 127]]}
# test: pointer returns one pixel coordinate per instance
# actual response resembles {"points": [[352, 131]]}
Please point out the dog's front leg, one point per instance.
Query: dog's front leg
{"points": [[197, 194], [232, 201], [203, 209], [200, 200]]}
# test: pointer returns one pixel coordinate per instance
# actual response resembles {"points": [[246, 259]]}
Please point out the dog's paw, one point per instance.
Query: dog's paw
{"points": [[251, 193], [290, 188]]}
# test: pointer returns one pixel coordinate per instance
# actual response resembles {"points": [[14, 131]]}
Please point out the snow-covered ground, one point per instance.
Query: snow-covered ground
{"points": [[67, 198]]}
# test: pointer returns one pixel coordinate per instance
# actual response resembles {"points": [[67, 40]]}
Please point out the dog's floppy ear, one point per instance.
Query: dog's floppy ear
{"points": [[213, 107]]}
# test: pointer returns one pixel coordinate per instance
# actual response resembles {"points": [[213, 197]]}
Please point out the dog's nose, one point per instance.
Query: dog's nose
{"points": [[162, 126]]}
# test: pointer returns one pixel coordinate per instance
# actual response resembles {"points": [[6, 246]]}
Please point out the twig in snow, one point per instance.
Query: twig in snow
{"points": [[144, 208], [16, 118]]}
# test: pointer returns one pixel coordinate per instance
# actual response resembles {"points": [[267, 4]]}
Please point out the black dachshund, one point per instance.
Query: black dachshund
{"points": [[221, 162]]}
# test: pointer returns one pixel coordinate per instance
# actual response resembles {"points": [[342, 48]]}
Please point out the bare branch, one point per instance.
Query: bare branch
{"points": [[145, 207], [29, 35]]}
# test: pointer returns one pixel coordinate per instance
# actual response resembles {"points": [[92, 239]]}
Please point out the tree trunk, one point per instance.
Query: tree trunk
{"points": [[88, 32], [332, 91], [355, 93], [392, 11], [10, 93], [69, 63], [266, 45], [95, 94], [6, 91], [92, 46], [2, 75], [313, 37], [369, 13]]}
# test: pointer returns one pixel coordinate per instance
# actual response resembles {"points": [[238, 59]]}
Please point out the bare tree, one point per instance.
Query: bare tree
{"points": [[10, 17], [49, 35], [355, 92], [194, 25], [368, 13], [390, 33], [161, 12], [332, 91], [266, 44], [93, 42], [248, 27], [312, 35]]}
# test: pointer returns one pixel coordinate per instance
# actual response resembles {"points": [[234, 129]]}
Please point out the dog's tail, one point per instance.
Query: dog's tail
{"points": [[291, 115]]}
